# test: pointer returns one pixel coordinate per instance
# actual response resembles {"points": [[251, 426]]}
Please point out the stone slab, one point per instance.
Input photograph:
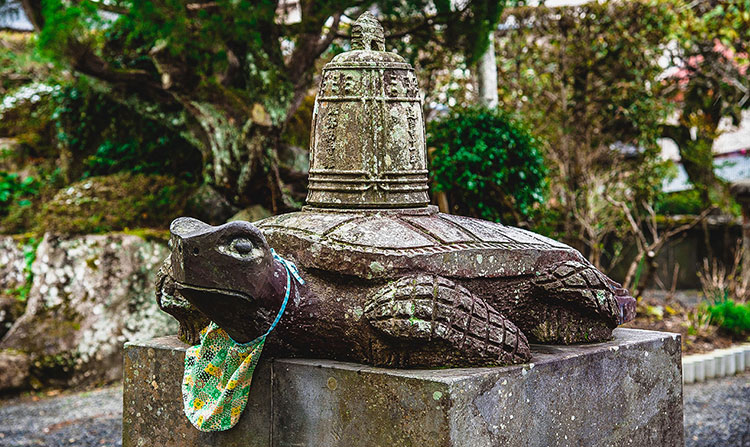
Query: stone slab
{"points": [[624, 392]]}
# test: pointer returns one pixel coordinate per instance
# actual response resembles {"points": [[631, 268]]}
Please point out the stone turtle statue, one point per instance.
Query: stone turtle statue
{"points": [[389, 281], [393, 288]]}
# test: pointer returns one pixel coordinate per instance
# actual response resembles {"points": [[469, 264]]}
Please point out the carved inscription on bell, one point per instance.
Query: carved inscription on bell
{"points": [[368, 147]]}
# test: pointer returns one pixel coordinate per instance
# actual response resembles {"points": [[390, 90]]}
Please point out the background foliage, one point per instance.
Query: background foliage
{"points": [[731, 316], [708, 82], [221, 92], [228, 76], [584, 79], [96, 136], [488, 163]]}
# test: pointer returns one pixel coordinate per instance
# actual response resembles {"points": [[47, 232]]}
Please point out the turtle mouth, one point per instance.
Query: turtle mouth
{"points": [[192, 289], [233, 310]]}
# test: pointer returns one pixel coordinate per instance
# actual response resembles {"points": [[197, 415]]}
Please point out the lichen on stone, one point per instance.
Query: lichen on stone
{"points": [[90, 295]]}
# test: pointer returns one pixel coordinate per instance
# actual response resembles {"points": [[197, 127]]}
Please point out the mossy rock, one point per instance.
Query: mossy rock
{"points": [[115, 203], [90, 294], [10, 309]]}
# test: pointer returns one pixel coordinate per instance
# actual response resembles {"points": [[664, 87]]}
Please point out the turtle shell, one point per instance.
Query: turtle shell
{"points": [[386, 243]]}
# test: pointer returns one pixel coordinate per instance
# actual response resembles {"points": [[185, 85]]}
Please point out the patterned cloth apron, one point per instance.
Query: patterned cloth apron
{"points": [[219, 371]]}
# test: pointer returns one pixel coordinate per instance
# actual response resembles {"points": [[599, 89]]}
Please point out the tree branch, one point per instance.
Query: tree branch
{"points": [[688, 226], [33, 10], [326, 40], [199, 6], [308, 48], [111, 8], [85, 61]]}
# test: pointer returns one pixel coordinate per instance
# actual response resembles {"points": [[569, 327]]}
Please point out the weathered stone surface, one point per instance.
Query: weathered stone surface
{"points": [[89, 295], [14, 369], [152, 401], [114, 202], [10, 309], [11, 263], [12, 277], [251, 214], [626, 392], [415, 287], [368, 145]]}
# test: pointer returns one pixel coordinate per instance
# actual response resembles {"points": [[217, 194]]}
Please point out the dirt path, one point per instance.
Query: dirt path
{"points": [[88, 419], [717, 413]]}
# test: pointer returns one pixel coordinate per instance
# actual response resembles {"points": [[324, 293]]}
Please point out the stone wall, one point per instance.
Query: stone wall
{"points": [[89, 295]]}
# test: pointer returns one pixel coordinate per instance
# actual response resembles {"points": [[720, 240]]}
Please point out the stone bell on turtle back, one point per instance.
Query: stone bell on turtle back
{"points": [[368, 145]]}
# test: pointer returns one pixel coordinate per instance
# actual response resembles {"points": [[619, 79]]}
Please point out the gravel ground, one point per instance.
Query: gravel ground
{"points": [[717, 414], [88, 419]]}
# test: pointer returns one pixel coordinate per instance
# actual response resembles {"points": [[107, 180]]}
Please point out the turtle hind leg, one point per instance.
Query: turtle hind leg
{"points": [[575, 303], [434, 322]]}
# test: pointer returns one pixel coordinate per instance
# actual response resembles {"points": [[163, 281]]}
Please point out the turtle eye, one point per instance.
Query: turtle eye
{"points": [[243, 246]]}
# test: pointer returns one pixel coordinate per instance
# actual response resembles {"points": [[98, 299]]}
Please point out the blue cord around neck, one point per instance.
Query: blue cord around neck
{"points": [[291, 272]]}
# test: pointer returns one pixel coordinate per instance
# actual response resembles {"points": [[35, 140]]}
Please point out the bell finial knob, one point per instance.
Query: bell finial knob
{"points": [[367, 33]]}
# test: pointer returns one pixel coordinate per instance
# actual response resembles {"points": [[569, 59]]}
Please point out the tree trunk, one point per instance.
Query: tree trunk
{"points": [[487, 76], [697, 158], [240, 156], [33, 11]]}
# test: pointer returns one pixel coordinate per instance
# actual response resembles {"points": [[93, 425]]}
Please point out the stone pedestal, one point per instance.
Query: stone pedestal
{"points": [[624, 392]]}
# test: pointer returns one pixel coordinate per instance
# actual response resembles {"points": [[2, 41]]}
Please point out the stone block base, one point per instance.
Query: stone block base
{"points": [[626, 392]]}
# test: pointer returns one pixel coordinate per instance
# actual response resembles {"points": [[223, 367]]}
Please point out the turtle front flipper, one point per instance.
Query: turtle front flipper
{"points": [[578, 303], [431, 320]]}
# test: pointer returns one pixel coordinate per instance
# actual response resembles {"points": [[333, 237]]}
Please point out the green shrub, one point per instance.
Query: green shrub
{"points": [[20, 63], [30, 129], [488, 163], [22, 216], [102, 134], [15, 190], [680, 203], [731, 316]]}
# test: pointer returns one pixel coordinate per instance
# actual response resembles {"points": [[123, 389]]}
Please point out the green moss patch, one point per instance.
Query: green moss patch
{"points": [[115, 203]]}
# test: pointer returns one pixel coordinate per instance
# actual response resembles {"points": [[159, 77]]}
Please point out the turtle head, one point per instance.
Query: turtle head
{"points": [[625, 302], [227, 272]]}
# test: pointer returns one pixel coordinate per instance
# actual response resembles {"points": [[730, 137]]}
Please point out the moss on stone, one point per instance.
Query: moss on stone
{"points": [[160, 235], [52, 370], [115, 203]]}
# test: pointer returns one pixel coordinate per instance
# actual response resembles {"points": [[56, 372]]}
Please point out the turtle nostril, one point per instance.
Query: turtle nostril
{"points": [[196, 251]]}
